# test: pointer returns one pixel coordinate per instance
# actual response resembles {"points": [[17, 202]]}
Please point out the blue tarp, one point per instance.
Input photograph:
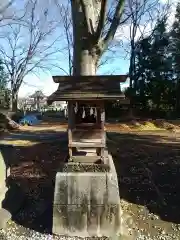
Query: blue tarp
{"points": [[29, 120]]}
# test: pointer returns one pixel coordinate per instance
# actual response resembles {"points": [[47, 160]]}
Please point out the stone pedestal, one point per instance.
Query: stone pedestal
{"points": [[5, 216], [4, 172], [87, 203]]}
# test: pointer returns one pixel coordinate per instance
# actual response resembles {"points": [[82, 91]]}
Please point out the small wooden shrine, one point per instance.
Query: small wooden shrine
{"points": [[86, 96]]}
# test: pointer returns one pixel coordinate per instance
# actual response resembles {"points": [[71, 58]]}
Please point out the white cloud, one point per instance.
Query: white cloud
{"points": [[124, 85], [44, 83], [171, 17], [164, 1], [123, 33], [172, 10], [3, 4]]}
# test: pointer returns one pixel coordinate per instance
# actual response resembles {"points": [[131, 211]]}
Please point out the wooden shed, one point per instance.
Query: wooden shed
{"points": [[86, 96]]}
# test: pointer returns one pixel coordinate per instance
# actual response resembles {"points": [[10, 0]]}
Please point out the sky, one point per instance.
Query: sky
{"points": [[43, 81]]}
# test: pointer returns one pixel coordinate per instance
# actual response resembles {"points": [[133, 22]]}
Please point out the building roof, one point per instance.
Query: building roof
{"points": [[38, 94], [87, 88]]}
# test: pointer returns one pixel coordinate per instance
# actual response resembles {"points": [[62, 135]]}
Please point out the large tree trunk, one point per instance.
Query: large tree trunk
{"points": [[84, 53], [14, 101], [84, 63], [89, 20]]}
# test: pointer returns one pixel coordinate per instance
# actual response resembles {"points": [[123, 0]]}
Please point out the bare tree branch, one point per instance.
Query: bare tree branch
{"points": [[6, 6], [87, 20], [144, 15], [29, 46], [64, 12], [114, 25], [102, 19]]}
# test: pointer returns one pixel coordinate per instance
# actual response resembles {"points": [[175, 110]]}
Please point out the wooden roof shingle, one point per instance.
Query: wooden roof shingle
{"points": [[87, 88]]}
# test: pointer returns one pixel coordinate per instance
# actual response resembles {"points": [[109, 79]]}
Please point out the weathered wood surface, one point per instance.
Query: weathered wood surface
{"points": [[84, 126], [96, 78], [87, 134], [70, 125], [87, 144], [88, 88], [77, 95], [87, 138]]}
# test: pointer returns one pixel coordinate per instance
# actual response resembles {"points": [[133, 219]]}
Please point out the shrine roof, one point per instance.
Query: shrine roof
{"points": [[88, 88]]}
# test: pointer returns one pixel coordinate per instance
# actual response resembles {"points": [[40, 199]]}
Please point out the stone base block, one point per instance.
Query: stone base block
{"points": [[5, 216], [86, 204], [3, 175]]}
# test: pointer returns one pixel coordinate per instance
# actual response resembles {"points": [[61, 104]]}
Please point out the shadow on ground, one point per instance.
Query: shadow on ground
{"points": [[148, 168], [32, 176]]}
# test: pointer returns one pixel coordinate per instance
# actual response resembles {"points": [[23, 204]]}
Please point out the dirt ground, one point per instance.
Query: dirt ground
{"points": [[148, 168], [147, 165]]}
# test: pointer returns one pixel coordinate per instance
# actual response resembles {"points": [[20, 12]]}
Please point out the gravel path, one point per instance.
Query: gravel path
{"points": [[16, 232]]}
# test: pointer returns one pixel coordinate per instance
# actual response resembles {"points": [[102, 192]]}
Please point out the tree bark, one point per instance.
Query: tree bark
{"points": [[84, 53], [14, 101], [88, 17], [84, 63]]}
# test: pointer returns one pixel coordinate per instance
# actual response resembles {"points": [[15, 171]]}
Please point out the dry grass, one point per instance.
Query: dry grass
{"points": [[44, 127], [150, 125], [19, 142], [126, 127]]}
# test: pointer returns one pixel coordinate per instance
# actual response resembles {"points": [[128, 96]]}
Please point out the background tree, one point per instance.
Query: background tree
{"points": [[4, 5], [38, 96], [29, 45], [65, 15], [3, 77], [143, 16], [154, 72], [175, 48], [4, 91], [8, 12]]}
